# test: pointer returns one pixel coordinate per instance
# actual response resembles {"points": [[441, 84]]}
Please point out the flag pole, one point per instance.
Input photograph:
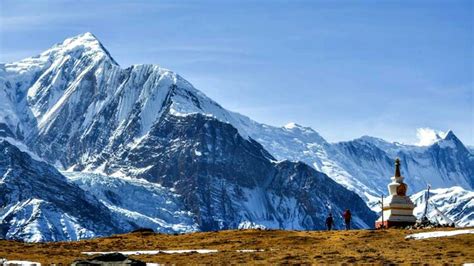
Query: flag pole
{"points": [[383, 225]]}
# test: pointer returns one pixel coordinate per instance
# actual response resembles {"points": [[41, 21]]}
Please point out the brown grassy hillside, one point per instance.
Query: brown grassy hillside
{"points": [[356, 246]]}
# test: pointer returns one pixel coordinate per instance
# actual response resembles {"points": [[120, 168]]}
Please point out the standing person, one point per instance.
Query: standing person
{"points": [[347, 218], [329, 222]]}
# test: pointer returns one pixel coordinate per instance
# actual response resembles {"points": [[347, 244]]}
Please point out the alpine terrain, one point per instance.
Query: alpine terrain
{"points": [[141, 147], [447, 206], [149, 150]]}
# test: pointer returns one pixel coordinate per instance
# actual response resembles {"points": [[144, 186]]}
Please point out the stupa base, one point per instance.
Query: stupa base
{"points": [[388, 224]]}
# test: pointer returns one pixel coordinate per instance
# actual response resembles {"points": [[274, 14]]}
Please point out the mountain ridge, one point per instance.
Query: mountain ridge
{"points": [[83, 112], [245, 125]]}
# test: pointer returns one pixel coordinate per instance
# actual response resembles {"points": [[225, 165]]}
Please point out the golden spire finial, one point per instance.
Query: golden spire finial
{"points": [[397, 167]]}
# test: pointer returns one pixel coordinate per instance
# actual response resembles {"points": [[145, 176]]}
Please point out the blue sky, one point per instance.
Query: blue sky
{"points": [[345, 68]]}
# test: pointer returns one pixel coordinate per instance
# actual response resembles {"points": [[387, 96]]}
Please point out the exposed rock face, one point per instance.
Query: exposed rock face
{"points": [[364, 165], [229, 181], [445, 163], [38, 204]]}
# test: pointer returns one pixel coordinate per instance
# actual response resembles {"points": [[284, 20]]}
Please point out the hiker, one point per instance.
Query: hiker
{"points": [[329, 222], [347, 218]]}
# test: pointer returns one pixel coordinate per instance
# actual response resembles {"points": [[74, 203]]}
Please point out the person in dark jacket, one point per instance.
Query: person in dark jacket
{"points": [[347, 218], [329, 222]]}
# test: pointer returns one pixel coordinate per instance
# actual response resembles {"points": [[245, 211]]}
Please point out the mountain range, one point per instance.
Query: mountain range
{"points": [[141, 147], [446, 205]]}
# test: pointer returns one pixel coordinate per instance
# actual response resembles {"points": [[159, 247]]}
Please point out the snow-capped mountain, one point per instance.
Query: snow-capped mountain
{"points": [[77, 109], [145, 128], [298, 143], [227, 180], [365, 165], [76, 93], [108, 110], [455, 203], [38, 204], [445, 163]]}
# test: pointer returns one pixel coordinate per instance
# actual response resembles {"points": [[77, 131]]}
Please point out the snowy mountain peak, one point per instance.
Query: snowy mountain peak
{"points": [[450, 140], [80, 45], [428, 136], [85, 47], [449, 135], [84, 38], [292, 126], [370, 139]]}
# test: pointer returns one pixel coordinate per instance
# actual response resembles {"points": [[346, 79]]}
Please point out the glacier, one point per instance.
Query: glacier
{"points": [[137, 201]]}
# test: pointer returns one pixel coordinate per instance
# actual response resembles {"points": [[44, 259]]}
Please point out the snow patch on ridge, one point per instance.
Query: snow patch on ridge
{"points": [[291, 125]]}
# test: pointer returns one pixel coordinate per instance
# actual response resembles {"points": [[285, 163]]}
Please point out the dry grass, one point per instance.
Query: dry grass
{"points": [[356, 246]]}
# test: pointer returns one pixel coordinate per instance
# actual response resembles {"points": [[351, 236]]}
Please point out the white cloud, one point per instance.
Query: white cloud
{"points": [[427, 136]]}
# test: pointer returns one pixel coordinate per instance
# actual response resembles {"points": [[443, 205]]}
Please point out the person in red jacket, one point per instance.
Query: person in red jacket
{"points": [[347, 218]]}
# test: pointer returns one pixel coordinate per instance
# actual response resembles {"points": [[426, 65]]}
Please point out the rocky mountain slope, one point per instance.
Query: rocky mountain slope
{"points": [[229, 181], [137, 201], [38, 204], [365, 165], [77, 109]]}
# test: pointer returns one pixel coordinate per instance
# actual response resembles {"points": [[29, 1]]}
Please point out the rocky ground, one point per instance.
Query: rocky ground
{"points": [[262, 246]]}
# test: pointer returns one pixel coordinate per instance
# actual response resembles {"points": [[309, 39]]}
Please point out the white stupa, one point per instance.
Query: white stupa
{"points": [[397, 208]]}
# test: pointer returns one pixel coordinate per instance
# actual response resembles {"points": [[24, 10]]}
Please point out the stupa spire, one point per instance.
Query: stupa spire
{"points": [[397, 168]]}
